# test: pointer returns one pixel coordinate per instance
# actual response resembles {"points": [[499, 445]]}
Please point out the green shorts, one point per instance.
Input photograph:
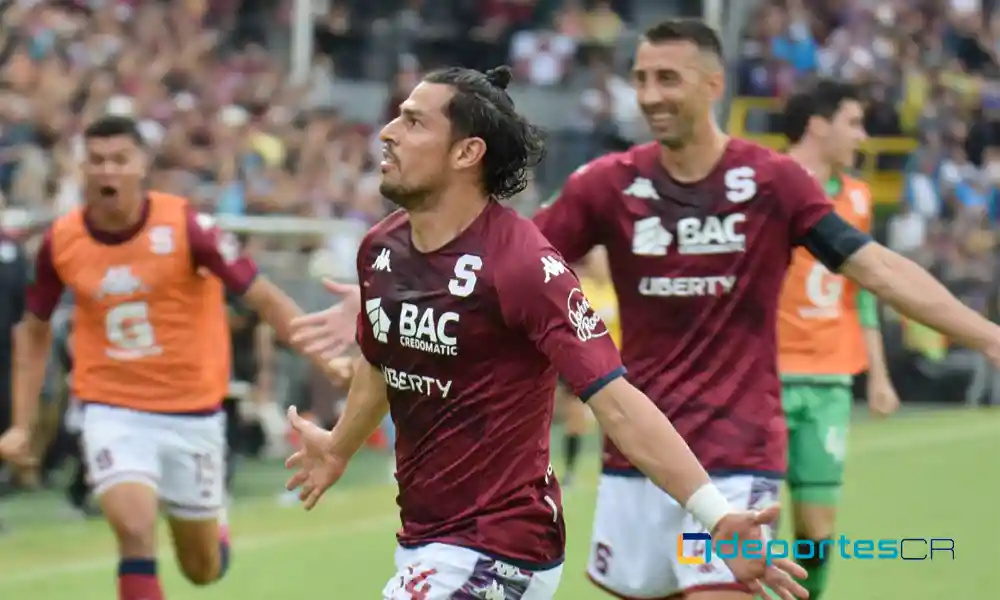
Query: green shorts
{"points": [[818, 416]]}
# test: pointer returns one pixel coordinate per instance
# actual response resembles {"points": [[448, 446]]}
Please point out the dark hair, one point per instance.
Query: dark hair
{"points": [[821, 99], [113, 126], [696, 31], [482, 108]]}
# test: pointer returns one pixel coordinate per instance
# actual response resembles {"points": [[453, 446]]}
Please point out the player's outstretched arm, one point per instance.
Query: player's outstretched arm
{"points": [[914, 292], [324, 454], [539, 295], [898, 281], [367, 404], [325, 335], [219, 253], [274, 306], [644, 434], [32, 343]]}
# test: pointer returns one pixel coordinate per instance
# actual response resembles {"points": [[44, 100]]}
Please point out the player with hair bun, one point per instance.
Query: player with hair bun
{"points": [[469, 317]]}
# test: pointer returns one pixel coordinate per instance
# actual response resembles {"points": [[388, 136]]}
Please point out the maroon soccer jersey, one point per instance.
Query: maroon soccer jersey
{"points": [[470, 339], [697, 269]]}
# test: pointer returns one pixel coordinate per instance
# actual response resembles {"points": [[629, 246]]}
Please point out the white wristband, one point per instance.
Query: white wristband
{"points": [[708, 505]]}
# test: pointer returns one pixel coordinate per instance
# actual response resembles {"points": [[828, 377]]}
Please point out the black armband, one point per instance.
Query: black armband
{"points": [[832, 240]]}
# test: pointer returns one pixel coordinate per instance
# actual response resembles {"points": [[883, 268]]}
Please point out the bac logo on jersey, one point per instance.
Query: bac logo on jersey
{"points": [[642, 188], [379, 320], [424, 331], [650, 238], [119, 281], [740, 184], [711, 235]]}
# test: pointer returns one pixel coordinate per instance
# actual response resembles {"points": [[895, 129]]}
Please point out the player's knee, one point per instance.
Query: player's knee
{"points": [[201, 568], [136, 533], [814, 522], [820, 554]]}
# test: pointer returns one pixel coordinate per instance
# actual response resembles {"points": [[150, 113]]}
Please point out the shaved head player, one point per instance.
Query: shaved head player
{"points": [[151, 356], [469, 317], [699, 229]]}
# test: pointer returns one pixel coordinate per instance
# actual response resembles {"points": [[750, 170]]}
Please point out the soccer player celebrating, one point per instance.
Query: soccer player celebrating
{"points": [[469, 316], [827, 328], [699, 229], [151, 356]]}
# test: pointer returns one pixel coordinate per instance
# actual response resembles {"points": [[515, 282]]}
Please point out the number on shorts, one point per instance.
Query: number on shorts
{"points": [[602, 558], [417, 585], [103, 460], [835, 443], [128, 327], [204, 470]]}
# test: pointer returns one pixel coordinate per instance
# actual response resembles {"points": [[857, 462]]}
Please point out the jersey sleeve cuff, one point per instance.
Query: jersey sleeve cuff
{"points": [[243, 285], [598, 385]]}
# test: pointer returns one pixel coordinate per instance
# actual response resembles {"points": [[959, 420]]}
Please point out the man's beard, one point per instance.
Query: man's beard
{"points": [[402, 197]]}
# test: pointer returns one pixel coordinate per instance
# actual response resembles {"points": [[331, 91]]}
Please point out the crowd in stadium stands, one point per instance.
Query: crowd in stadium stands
{"points": [[931, 70], [227, 126]]}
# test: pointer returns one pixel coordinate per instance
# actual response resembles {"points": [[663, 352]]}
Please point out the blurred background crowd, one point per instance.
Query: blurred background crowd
{"points": [[266, 113]]}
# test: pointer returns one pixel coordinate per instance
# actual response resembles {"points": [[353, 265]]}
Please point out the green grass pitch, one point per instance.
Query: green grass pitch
{"points": [[923, 474]]}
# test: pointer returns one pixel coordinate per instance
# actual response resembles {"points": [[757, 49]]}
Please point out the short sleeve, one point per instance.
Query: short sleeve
{"points": [[45, 287], [802, 199], [219, 252], [371, 312], [541, 295], [570, 220]]}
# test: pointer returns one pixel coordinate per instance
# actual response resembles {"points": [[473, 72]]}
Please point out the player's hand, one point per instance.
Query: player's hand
{"points": [[780, 575], [882, 397], [341, 370], [317, 467], [15, 446], [323, 336]]}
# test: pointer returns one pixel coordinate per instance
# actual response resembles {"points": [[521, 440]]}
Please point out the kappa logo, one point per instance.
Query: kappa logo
{"points": [[382, 261], [379, 320], [642, 188], [650, 238], [740, 184], [552, 267]]}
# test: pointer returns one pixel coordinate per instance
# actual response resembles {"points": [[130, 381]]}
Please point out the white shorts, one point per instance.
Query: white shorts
{"points": [[443, 572], [181, 457], [633, 553]]}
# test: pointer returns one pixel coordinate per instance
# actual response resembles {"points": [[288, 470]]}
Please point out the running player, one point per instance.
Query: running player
{"points": [[699, 229], [469, 316], [828, 330], [595, 281], [151, 356]]}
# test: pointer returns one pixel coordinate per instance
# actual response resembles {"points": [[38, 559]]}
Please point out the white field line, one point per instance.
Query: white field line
{"points": [[253, 543]]}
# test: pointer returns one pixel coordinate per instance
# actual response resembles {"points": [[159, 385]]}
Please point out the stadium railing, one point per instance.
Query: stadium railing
{"points": [[881, 160]]}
